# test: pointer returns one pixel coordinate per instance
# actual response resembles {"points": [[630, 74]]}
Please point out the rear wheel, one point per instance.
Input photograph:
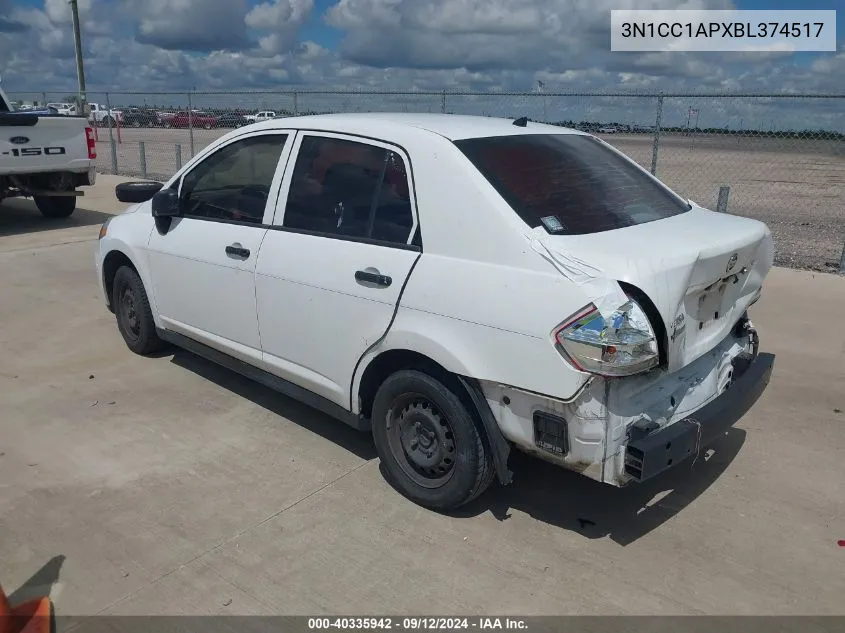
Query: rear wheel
{"points": [[108, 122], [428, 442], [132, 310], [56, 206]]}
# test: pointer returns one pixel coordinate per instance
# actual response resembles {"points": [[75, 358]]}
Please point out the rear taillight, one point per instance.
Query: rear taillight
{"points": [[92, 143], [622, 345]]}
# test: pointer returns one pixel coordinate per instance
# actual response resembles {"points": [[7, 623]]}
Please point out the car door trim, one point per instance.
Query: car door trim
{"points": [[265, 378]]}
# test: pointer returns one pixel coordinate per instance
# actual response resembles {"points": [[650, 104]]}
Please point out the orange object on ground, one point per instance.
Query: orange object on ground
{"points": [[34, 616]]}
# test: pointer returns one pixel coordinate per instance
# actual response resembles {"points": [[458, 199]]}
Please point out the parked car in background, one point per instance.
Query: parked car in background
{"points": [[458, 286], [66, 109], [608, 129], [140, 117], [101, 115], [184, 118], [232, 119], [264, 115]]}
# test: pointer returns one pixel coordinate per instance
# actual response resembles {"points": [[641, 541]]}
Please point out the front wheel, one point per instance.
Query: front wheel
{"points": [[429, 442], [56, 206], [132, 310]]}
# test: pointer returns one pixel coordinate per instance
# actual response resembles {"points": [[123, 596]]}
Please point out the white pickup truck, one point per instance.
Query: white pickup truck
{"points": [[45, 156], [264, 115], [100, 115]]}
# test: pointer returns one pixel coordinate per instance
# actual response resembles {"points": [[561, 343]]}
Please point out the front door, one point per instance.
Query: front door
{"points": [[332, 267], [203, 264]]}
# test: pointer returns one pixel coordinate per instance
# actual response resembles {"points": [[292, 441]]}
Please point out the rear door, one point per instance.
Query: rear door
{"points": [[333, 265], [202, 266]]}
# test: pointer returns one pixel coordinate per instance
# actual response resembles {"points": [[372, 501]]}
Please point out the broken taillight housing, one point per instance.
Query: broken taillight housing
{"points": [[622, 345], [92, 143]]}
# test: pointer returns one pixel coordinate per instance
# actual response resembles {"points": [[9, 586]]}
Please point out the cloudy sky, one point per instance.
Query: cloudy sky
{"points": [[484, 45]]}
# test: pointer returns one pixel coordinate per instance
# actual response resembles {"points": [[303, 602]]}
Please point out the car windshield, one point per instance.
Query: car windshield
{"points": [[570, 184]]}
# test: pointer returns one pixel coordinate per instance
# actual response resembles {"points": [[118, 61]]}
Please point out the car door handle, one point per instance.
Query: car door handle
{"points": [[374, 278], [237, 250]]}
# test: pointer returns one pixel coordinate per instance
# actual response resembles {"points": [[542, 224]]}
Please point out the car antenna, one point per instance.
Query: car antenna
{"points": [[521, 121]]}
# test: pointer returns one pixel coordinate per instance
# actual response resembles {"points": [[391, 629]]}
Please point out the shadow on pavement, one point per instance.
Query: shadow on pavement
{"points": [[356, 442], [40, 584], [570, 501], [19, 216], [542, 490]]}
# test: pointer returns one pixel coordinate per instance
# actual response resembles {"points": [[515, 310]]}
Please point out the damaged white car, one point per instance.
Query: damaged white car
{"points": [[458, 286]]}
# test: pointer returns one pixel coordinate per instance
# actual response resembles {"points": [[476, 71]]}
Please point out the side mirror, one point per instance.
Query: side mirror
{"points": [[136, 191], [166, 204]]}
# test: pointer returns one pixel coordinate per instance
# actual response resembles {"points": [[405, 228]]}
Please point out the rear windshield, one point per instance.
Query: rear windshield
{"points": [[570, 184]]}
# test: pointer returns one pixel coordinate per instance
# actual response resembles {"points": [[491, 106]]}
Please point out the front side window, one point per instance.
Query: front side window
{"points": [[352, 189], [570, 184], [234, 182]]}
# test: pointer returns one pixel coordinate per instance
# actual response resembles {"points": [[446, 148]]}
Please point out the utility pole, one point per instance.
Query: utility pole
{"points": [[77, 40]]}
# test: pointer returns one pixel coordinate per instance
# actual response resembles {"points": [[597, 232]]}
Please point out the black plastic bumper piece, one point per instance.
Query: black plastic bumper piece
{"points": [[658, 451]]}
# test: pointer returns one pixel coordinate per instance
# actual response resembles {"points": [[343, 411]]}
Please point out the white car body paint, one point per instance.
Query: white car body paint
{"points": [[482, 298]]}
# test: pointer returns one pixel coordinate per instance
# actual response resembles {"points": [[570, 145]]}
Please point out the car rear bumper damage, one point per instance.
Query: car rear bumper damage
{"points": [[623, 431], [649, 454]]}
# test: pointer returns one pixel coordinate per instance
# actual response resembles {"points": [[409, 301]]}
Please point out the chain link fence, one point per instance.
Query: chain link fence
{"points": [[776, 158]]}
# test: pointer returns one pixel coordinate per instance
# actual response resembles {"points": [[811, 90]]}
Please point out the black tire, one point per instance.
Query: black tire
{"points": [[136, 124], [133, 314], [207, 126], [428, 442], [108, 122], [56, 206], [167, 125]]}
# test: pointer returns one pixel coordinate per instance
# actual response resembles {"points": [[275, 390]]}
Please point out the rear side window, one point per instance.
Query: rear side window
{"points": [[570, 184], [351, 189]]}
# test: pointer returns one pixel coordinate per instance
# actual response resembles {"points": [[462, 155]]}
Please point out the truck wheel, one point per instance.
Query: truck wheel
{"points": [[108, 122], [55, 206], [132, 310], [428, 442]]}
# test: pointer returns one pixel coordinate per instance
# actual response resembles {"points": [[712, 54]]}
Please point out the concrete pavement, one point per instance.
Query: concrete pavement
{"points": [[170, 486]]}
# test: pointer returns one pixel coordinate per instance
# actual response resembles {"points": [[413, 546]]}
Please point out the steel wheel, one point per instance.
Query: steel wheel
{"points": [[129, 314], [421, 440]]}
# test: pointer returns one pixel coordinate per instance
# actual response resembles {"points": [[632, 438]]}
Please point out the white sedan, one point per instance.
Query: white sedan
{"points": [[456, 285]]}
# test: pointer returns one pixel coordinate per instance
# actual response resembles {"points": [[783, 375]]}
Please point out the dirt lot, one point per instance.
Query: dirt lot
{"points": [[796, 186], [167, 485]]}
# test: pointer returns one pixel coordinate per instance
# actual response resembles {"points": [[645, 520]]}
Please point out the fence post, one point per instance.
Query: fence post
{"points": [[142, 151], [656, 146], [111, 135], [842, 260], [191, 122], [295, 103], [44, 96], [178, 156], [443, 102], [722, 204]]}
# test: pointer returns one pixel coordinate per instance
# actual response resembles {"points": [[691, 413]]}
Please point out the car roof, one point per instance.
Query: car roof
{"points": [[451, 126]]}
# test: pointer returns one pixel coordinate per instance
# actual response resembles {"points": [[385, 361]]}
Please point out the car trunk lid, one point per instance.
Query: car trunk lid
{"points": [[701, 269]]}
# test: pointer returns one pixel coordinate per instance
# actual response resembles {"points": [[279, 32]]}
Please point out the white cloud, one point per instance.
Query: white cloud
{"points": [[415, 45]]}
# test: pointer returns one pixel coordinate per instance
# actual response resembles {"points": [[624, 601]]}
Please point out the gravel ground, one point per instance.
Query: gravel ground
{"points": [[795, 186]]}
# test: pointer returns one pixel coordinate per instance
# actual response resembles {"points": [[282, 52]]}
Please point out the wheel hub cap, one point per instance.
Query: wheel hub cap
{"points": [[426, 440]]}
